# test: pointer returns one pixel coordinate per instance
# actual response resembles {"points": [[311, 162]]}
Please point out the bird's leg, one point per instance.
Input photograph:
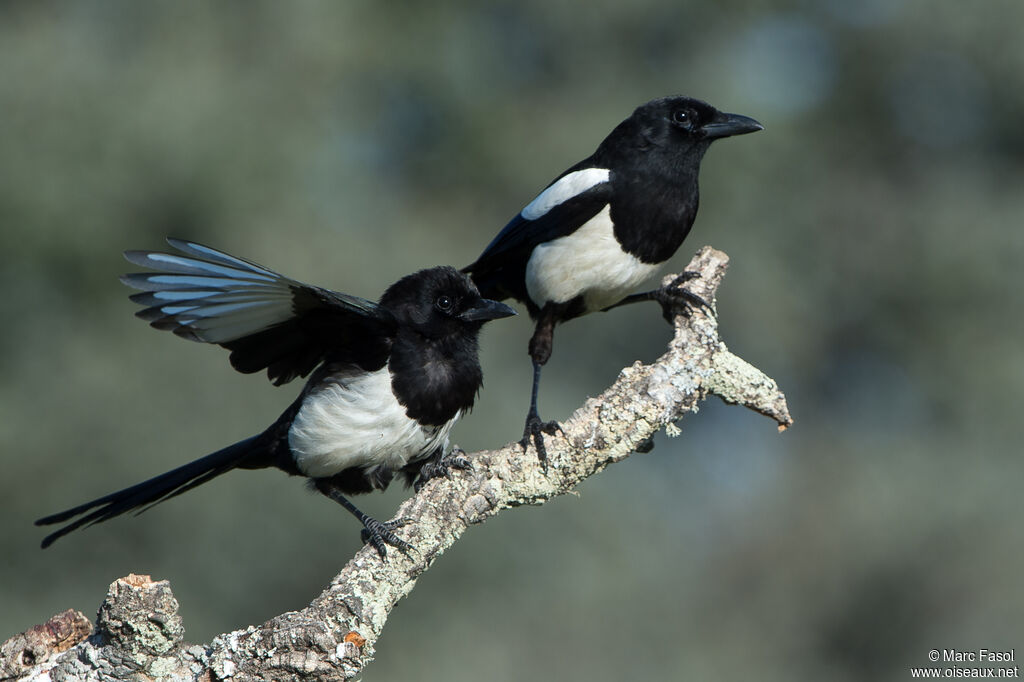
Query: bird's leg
{"points": [[441, 464], [541, 344], [535, 426], [674, 299], [375, 532]]}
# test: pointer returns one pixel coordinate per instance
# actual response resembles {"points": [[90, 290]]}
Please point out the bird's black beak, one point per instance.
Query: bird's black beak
{"points": [[727, 125], [486, 309]]}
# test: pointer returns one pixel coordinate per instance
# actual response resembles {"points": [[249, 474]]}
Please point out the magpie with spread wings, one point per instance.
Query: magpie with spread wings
{"points": [[387, 380]]}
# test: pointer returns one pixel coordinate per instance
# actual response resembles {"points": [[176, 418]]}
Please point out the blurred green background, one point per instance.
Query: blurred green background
{"points": [[875, 231]]}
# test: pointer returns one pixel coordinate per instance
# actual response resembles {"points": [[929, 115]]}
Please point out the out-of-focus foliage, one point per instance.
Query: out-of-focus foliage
{"points": [[875, 230]]}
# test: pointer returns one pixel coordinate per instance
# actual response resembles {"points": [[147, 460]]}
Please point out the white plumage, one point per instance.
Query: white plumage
{"points": [[354, 420], [563, 189], [590, 261]]}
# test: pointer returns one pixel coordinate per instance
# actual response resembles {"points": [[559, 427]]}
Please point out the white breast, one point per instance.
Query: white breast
{"points": [[355, 421], [590, 262]]}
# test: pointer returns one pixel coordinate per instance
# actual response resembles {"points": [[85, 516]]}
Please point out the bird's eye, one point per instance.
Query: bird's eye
{"points": [[443, 303], [683, 117]]}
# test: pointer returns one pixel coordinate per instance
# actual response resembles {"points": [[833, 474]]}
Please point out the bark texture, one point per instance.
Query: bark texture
{"points": [[139, 635]]}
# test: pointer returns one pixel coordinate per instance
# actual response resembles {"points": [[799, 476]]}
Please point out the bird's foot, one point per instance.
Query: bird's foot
{"points": [[535, 428], [442, 466], [676, 300], [381, 533]]}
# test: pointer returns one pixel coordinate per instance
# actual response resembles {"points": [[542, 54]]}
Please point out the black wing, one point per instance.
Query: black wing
{"points": [[266, 320], [565, 205]]}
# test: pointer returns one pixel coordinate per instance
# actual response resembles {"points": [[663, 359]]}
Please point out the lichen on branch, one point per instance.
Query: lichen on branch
{"points": [[139, 635]]}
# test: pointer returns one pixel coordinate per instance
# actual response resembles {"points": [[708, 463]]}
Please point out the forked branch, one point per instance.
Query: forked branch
{"points": [[139, 632]]}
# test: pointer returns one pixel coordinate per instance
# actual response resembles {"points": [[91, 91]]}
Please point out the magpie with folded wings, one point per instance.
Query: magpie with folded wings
{"points": [[604, 226], [388, 381]]}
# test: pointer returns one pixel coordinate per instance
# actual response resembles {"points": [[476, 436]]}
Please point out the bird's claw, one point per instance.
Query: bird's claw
{"points": [[677, 300], [379, 534], [535, 428], [442, 466]]}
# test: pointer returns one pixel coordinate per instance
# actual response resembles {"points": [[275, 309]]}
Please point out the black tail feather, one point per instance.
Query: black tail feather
{"points": [[144, 495]]}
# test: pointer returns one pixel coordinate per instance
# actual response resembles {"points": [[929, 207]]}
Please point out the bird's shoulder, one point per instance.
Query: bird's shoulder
{"points": [[568, 202]]}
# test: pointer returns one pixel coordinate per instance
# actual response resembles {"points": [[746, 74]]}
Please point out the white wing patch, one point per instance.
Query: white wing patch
{"points": [[563, 189], [356, 421], [589, 262]]}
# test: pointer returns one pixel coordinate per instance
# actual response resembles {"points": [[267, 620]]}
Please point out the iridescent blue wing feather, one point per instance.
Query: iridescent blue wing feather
{"points": [[267, 320]]}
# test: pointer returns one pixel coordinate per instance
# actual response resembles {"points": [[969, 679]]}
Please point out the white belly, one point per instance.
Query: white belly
{"points": [[355, 421], [589, 262]]}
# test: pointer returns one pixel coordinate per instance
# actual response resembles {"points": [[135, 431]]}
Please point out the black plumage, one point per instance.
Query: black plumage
{"points": [[605, 224], [388, 380]]}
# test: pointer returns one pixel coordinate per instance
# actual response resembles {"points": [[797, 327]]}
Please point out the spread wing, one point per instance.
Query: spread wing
{"points": [[266, 320], [566, 204]]}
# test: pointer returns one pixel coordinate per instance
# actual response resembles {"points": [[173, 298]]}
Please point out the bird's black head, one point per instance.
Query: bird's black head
{"points": [[677, 126], [434, 365], [441, 302]]}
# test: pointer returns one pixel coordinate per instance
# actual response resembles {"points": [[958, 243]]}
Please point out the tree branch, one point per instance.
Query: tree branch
{"points": [[139, 631]]}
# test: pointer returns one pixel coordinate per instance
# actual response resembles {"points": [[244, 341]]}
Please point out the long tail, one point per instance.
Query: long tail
{"points": [[155, 490]]}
